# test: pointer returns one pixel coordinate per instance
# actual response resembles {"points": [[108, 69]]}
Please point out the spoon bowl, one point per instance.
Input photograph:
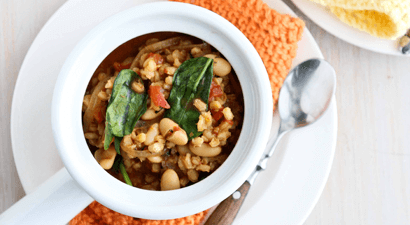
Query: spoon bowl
{"points": [[306, 93]]}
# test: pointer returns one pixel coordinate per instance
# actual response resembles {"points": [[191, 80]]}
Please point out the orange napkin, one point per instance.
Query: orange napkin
{"points": [[274, 36], [97, 214]]}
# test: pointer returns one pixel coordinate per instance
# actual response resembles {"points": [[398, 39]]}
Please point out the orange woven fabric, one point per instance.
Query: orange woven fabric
{"points": [[273, 35], [97, 214]]}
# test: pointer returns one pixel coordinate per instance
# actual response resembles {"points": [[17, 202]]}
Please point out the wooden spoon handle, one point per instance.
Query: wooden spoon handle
{"points": [[226, 211]]}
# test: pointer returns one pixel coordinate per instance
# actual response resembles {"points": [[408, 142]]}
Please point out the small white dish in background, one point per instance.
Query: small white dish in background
{"points": [[328, 21], [287, 191]]}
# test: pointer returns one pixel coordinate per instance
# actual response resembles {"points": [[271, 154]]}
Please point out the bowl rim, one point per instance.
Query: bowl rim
{"points": [[161, 16]]}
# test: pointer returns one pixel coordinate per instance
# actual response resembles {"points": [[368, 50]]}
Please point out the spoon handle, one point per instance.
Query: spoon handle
{"points": [[226, 211]]}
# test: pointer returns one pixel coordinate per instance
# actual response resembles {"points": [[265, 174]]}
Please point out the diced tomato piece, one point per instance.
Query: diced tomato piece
{"points": [[216, 91], [157, 57], [117, 66], [98, 114], [157, 97], [125, 66], [217, 114], [121, 66]]}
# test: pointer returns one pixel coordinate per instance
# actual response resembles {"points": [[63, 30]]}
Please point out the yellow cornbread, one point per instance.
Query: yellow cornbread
{"points": [[387, 19]]}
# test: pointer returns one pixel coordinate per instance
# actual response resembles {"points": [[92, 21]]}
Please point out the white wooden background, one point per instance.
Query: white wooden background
{"points": [[370, 179]]}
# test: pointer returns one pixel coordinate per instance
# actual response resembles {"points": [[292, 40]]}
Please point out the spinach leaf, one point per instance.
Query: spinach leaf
{"points": [[108, 136], [117, 142], [124, 77], [125, 107], [192, 80], [117, 162], [119, 167], [125, 174]]}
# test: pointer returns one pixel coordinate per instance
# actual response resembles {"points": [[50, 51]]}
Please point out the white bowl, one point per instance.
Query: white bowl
{"points": [[103, 39]]}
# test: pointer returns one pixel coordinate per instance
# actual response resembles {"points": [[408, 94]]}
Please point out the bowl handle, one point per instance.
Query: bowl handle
{"points": [[56, 201]]}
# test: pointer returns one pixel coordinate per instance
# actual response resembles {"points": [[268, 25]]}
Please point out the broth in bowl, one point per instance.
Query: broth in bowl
{"points": [[162, 111]]}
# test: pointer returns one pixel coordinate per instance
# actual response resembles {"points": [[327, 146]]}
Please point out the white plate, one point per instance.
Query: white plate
{"points": [[328, 21], [286, 193]]}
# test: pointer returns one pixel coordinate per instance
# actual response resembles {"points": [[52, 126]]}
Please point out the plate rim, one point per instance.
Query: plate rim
{"points": [[16, 87], [58, 12]]}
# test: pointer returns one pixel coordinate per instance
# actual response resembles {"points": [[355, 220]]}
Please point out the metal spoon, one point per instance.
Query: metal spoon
{"points": [[303, 98]]}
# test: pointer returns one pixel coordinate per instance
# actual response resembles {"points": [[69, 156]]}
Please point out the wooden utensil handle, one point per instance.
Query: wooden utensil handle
{"points": [[226, 211]]}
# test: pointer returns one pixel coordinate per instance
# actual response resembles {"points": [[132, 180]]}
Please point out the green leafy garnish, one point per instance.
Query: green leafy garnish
{"points": [[192, 80], [119, 166], [117, 162], [117, 142], [125, 174], [124, 109]]}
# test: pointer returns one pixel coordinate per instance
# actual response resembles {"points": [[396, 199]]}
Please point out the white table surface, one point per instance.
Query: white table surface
{"points": [[370, 178]]}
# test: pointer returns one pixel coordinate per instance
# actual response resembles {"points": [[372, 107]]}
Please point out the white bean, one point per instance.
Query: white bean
{"points": [[205, 150], [151, 114], [155, 159], [211, 56], [169, 180], [179, 137], [221, 67], [105, 157], [173, 132], [167, 125]]}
